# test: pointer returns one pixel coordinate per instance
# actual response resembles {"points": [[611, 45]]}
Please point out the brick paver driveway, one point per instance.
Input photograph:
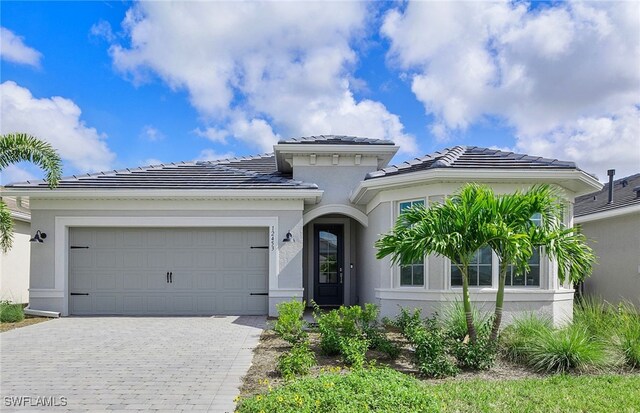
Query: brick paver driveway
{"points": [[128, 363]]}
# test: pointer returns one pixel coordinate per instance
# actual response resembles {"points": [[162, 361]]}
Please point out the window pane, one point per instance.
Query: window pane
{"points": [[518, 279], [485, 255], [420, 202], [405, 275], [473, 275], [485, 275], [404, 206], [418, 275], [456, 276], [533, 277], [535, 257]]}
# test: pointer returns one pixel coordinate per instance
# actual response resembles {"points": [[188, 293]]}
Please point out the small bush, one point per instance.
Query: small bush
{"points": [[329, 326], [516, 337], [563, 350], [407, 321], [628, 332], [354, 351], [298, 361], [480, 355], [11, 313], [290, 326], [596, 315], [362, 390], [381, 343]]}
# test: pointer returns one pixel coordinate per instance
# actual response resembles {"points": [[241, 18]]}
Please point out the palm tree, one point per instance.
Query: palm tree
{"points": [[455, 229], [19, 147], [516, 235]]}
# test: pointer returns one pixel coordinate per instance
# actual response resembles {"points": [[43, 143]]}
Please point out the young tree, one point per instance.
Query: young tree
{"points": [[455, 229], [18, 147]]}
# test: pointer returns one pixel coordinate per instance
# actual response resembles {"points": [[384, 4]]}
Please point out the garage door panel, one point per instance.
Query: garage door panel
{"points": [[107, 280], [125, 271]]}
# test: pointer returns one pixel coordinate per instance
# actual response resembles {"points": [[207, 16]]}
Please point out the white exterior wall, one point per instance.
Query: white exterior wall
{"points": [[48, 273], [14, 266], [616, 243]]}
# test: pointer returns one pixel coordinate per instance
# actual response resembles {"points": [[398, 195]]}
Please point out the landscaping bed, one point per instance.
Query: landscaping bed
{"points": [[27, 321], [599, 349], [12, 316]]}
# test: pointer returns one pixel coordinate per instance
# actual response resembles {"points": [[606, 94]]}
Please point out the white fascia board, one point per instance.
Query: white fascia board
{"points": [[310, 196], [576, 181], [597, 216], [383, 152]]}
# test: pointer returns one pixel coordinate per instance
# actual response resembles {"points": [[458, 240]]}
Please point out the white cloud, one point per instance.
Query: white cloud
{"points": [[558, 75], [213, 155], [14, 173], [151, 161], [259, 70], [151, 133], [13, 49], [103, 30], [57, 121]]}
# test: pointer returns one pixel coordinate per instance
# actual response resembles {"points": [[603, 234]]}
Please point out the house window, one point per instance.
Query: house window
{"points": [[412, 275], [530, 278], [480, 270]]}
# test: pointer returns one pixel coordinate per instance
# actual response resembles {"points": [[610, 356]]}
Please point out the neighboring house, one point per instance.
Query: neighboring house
{"points": [[238, 236], [611, 221], [14, 265]]}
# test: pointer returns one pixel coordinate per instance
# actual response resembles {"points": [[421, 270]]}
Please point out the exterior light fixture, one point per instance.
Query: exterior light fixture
{"points": [[39, 237], [288, 237]]}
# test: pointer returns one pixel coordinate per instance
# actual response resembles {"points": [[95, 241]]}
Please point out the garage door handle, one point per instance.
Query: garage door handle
{"points": [[171, 277], [167, 277]]}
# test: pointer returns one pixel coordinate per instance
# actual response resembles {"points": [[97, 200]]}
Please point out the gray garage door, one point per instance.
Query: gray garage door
{"points": [[166, 271]]}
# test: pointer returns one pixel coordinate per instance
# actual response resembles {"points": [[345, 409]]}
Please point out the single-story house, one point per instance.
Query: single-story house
{"points": [[238, 236], [14, 264], [610, 219]]}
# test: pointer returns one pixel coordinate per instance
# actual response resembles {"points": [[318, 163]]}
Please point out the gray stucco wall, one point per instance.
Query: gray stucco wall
{"points": [[373, 273], [616, 242]]}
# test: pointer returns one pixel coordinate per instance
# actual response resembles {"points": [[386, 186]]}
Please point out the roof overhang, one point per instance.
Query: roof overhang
{"points": [[285, 151], [574, 180], [310, 196], [611, 213]]}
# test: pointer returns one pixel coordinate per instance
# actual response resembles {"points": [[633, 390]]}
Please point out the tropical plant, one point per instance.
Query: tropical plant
{"points": [[11, 313], [514, 236], [290, 326], [454, 229], [19, 147]]}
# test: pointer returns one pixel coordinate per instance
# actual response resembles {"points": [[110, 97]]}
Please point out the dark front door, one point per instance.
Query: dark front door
{"points": [[328, 264]]}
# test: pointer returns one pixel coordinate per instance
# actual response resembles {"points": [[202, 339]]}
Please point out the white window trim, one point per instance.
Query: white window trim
{"points": [[395, 269]]}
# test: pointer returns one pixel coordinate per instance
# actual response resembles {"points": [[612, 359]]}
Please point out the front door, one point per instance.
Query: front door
{"points": [[328, 264]]}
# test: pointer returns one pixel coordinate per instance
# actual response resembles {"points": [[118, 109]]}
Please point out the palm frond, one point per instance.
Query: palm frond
{"points": [[19, 147], [6, 227]]}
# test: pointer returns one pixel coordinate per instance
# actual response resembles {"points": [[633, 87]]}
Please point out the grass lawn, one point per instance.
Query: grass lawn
{"points": [[608, 393], [385, 390]]}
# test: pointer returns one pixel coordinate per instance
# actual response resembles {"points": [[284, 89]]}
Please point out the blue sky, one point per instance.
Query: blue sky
{"points": [[121, 84]]}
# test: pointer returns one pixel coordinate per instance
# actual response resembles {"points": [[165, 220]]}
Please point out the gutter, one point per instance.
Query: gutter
{"points": [[596, 216], [41, 313]]}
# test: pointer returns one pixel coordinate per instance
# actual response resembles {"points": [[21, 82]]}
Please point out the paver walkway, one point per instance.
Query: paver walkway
{"points": [[127, 363]]}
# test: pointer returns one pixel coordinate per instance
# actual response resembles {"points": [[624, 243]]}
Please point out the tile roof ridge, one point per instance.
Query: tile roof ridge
{"points": [[450, 157]]}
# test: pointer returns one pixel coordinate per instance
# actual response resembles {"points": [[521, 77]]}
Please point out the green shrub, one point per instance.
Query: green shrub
{"points": [[381, 343], [354, 350], [290, 326], [516, 337], [298, 361], [329, 326], [596, 315], [455, 321], [480, 355], [362, 390], [628, 333], [11, 313], [406, 321], [566, 349]]}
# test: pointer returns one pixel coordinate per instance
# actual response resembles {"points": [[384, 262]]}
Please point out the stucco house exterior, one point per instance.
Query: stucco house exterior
{"points": [[14, 264], [611, 222], [238, 236]]}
